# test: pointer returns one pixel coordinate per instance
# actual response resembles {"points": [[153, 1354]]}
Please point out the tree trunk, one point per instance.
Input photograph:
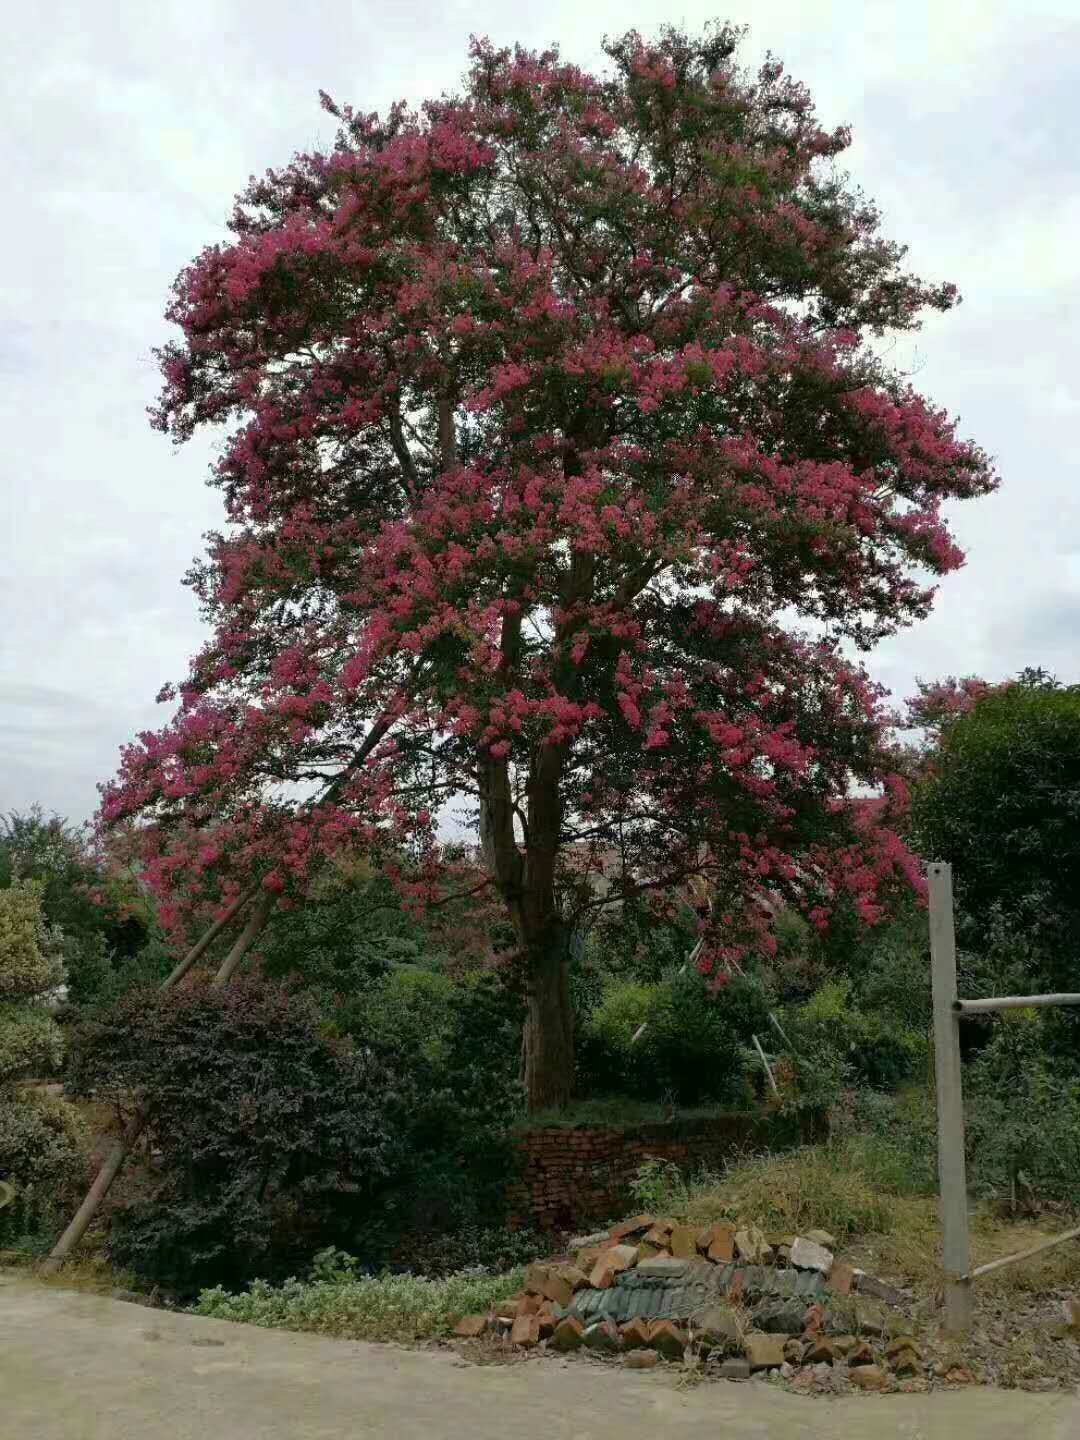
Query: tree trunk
{"points": [[549, 1022]]}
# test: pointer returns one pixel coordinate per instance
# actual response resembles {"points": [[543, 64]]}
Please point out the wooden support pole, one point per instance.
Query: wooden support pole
{"points": [[952, 1170], [208, 937], [1050, 1244]]}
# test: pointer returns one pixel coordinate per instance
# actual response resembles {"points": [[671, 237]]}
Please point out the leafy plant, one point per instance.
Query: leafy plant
{"points": [[675, 1040], [1023, 1117], [339, 1301], [42, 1141]]}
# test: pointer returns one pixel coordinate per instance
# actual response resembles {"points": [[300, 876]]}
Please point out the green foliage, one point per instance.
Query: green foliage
{"points": [[44, 1146], [411, 1010], [31, 1043], [99, 978], [42, 1142], [637, 941], [379, 1307], [1023, 1116], [692, 1046], [348, 933], [100, 918], [834, 1042], [661, 1188], [474, 1248], [29, 965], [277, 1137], [1000, 800]]}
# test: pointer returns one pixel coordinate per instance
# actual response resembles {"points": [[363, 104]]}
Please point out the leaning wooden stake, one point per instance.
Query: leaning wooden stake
{"points": [[950, 1103], [202, 945], [125, 1141]]}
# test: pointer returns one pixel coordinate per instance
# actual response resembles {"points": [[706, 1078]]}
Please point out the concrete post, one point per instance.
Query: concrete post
{"points": [[950, 1102]]}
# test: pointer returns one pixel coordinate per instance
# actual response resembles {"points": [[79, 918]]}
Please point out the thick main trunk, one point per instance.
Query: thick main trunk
{"points": [[549, 1022]]}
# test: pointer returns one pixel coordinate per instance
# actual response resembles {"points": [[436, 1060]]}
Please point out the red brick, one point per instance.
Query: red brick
{"points": [[841, 1277], [634, 1334], [636, 1225], [470, 1327], [683, 1243], [574, 1276], [568, 1334], [611, 1263], [525, 1331], [666, 1337], [721, 1246]]}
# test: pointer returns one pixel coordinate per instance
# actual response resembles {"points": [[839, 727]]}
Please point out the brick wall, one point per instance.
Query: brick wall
{"points": [[569, 1176]]}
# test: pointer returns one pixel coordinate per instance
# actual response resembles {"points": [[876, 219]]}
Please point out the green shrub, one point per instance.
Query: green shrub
{"points": [[42, 1141], [1023, 1117], [44, 1148], [409, 1010], [474, 1248], [31, 1044], [382, 1307], [277, 1137], [28, 965], [692, 1047], [833, 1043]]}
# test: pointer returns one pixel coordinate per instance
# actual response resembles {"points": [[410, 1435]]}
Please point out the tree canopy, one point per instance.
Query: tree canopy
{"points": [[553, 412], [1000, 800]]}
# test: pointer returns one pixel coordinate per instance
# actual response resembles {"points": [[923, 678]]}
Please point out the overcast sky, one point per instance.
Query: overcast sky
{"points": [[128, 128]]}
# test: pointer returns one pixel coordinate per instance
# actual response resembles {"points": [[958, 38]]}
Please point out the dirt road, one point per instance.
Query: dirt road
{"points": [[80, 1367]]}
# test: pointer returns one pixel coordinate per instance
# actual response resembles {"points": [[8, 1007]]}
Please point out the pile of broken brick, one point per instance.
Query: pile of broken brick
{"points": [[651, 1289]]}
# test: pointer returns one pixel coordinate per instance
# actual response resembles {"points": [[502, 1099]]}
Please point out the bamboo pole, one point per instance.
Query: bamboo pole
{"points": [[988, 1269], [210, 935]]}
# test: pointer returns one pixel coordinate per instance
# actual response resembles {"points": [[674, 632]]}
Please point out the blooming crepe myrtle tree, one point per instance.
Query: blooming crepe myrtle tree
{"points": [[551, 412]]}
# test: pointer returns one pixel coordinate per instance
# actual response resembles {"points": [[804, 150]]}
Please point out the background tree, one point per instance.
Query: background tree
{"points": [[101, 919], [551, 408], [1000, 800]]}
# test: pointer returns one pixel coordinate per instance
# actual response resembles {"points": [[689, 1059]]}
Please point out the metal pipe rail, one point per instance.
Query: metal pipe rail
{"points": [[965, 1008]]}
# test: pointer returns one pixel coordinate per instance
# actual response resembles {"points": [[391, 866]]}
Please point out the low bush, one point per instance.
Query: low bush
{"points": [[276, 1137], [43, 1143], [834, 1042], [338, 1300], [472, 1248], [1023, 1117], [273, 1139], [676, 1040], [44, 1148]]}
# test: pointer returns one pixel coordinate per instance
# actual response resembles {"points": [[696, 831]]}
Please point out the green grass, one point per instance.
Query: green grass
{"points": [[403, 1308]]}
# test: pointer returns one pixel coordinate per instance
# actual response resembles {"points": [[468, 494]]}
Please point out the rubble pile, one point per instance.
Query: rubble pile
{"points": [[650, 1289]]}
